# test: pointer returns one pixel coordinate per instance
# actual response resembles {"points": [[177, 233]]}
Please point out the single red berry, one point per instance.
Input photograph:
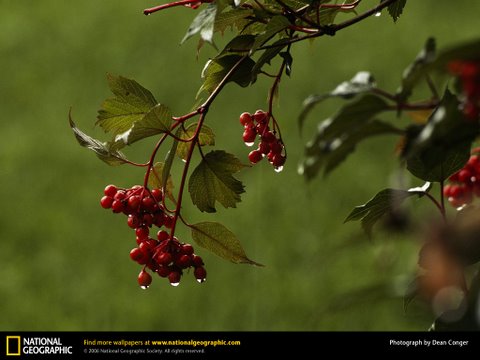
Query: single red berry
{"points": [[187, 249], [200, 274], [260, 116], [148, 203], [168, 222], [457, 191], [197, 261], [159, 219], [264, 147], [110, 190], [157, 194], [262, 128], [120, 195], [142, 232], [106, 202], [270, 156], [162, 235], [134, 201], [454, 177], [447, 191], [183, 261], [276, 147], [269, 137], [117, 206], [144, 279], [147, 219], [163, 271], [174, 278], [164, 258], [136, 254], [246, 118], [255, 156], [249, 135], [278, 160], [464, 175], [133, 221]]}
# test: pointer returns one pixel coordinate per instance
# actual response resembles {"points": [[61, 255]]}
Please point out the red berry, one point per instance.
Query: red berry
{"points": [[262, 128], [148, 203], [464, 175], [456, 191], [255, 156], [110, 190], [246, 118], [117, 206], [142, 232], [147, 219], [200, 274], [164, 258], [278, 160], [136, 254], [162, 235], [269, 137], [133, 221], [187, 249], [134, 201], [120, 195], [183, 261], [264, 147], [197, 261], [249, 135], [174, 278], [168, 222], [447, 191], [106, 202], [276, 147], [144, 279], [163, 271], [159, 219], [260, 116], [157, 194]]}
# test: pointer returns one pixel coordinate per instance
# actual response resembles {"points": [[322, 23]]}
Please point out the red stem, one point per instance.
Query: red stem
{"points": [[169, 5]]}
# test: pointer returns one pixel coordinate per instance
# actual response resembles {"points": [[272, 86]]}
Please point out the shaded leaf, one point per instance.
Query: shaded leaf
{"points": [[203, 23], [222, 242], [169, 162], [274, 26], [417, 69], [385, 201], [130, 104], [156, 121], [212, 181], [216, 69], [362, 82], [396, 9], [155, 180], [233, 18], [287, 57], [104, 153], [325, 156], [206, 137], [241, 42], [442, 147], [267, 56]]}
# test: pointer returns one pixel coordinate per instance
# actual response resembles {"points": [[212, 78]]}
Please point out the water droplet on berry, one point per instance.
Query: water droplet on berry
{"points": [[144, 287], [175, 284], [278, 169], [201, 280], [249, 143], [378, 14]]}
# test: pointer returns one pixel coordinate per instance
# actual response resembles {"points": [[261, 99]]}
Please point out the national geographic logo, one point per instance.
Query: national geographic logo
{"points": [[17, 346]]}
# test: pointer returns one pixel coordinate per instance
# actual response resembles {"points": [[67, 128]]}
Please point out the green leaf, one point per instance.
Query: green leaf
{"points": [[205, 137], [464, 51], [362, 82], [156, 121], [222, 242], [241, 42], [385, 201], [396, 9], [274, 26], [324, 156], [203, 24], [415, 71], [216, 69], [156, 181], [104, 153], [130, 104], [169, 162], [442, 147], [233, 18], [212, 181], [287, 57]]}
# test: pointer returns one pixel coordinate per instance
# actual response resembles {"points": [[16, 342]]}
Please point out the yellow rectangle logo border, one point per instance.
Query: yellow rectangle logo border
{"points": [[8, 347]]}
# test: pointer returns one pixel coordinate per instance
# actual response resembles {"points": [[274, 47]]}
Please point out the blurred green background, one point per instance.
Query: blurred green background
{"points": [[64, 260]]}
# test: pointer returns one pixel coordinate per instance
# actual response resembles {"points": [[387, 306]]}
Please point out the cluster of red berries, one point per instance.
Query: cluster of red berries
{"points": [[469, 74], [464, 184], [270, 146], [165, 255]]}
